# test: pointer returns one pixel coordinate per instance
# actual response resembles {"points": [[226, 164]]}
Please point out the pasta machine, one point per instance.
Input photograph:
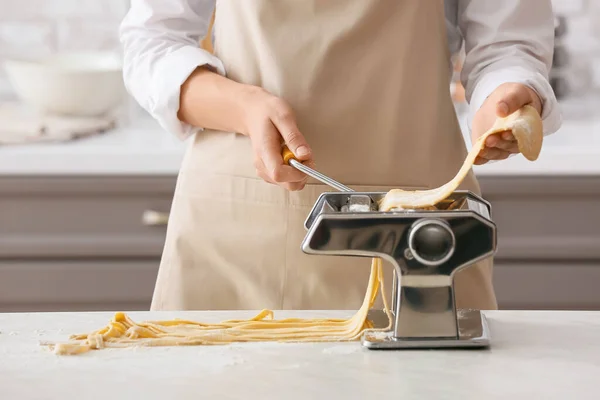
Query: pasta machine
{"points": [[426, 248]]}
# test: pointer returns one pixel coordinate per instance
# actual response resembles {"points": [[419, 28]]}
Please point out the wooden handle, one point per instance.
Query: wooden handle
{"points": [[287, 155]]}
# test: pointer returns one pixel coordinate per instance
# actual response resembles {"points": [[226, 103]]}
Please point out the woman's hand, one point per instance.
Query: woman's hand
{"points": [[212, 101], [505, 100], [269, 121]]}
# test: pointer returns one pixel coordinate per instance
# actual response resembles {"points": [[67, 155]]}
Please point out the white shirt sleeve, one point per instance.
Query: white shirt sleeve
{"points": [[508, 41], [161, 49]]}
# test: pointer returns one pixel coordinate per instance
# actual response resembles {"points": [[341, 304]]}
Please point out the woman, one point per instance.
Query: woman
{"points": [[359, 88]]}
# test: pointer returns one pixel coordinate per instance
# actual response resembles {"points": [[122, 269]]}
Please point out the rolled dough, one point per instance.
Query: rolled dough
{"points": [[526, 127], [122, 331]]}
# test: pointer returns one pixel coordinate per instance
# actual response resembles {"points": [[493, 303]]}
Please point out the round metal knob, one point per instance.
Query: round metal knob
{"points": [[431, 242]]}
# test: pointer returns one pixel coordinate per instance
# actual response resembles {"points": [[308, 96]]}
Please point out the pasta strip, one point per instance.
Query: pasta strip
{"points": [[122, 331]]}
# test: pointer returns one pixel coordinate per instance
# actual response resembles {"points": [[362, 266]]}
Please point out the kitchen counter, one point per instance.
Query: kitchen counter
{"points": [[145, 149], [534, 355], [142, 148]]}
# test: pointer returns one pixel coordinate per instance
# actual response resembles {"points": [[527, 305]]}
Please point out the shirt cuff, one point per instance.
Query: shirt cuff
{"points": [[551, 115], [171, 72]]}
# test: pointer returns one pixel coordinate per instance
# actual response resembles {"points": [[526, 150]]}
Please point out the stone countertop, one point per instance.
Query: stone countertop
{"points": [[534, 355], [145, 149]]}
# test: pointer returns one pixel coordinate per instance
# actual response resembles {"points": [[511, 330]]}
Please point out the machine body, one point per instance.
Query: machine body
{"points": [[426, 248]]}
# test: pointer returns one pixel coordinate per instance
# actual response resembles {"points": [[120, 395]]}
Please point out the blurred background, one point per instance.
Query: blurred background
{"points": [[84, 200]]}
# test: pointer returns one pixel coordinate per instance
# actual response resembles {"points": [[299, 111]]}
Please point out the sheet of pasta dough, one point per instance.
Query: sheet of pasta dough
{"points": [[122, 331], [526, 127]]}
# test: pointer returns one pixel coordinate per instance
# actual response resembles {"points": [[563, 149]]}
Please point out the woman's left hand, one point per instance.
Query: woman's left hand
{"points": [[505, 100]]}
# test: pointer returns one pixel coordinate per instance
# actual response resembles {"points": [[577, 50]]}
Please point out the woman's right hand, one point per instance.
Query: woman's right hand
{"points": [[213, 101], [270, 122]]}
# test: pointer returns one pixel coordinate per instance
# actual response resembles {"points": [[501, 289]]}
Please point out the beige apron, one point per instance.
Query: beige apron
{"points": [[369, 83]]}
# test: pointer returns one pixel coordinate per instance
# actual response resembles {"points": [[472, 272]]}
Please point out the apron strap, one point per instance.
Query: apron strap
{"points": [[206, 42]]}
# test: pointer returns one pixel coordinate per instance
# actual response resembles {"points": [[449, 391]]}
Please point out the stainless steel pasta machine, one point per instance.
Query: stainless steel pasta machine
{"points": [[426, 248]]}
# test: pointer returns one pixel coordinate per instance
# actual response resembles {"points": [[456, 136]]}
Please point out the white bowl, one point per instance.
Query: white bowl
{"points": [[77, 84]]}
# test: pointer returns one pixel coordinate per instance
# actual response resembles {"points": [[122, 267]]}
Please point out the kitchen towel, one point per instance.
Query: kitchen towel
{"points": [[21, 125]]}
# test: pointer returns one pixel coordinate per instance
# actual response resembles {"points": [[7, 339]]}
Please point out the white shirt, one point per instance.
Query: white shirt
{"points": [[505, 41]]}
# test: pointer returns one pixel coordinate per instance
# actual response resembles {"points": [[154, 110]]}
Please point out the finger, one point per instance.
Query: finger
{"points": [[492, 153], [504, 140], [285, 122], [269, 149], [515, 97], [294, 187], [492, 140], [502, 155], [309, 164], [293, 176], [511, 147], [261, 171], [507, 135], [287, 174], [480, 161], [263, 175]]}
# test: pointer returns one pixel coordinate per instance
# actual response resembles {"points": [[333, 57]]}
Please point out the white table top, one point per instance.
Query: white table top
{"points": [[534, 355], [143, 148]]}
